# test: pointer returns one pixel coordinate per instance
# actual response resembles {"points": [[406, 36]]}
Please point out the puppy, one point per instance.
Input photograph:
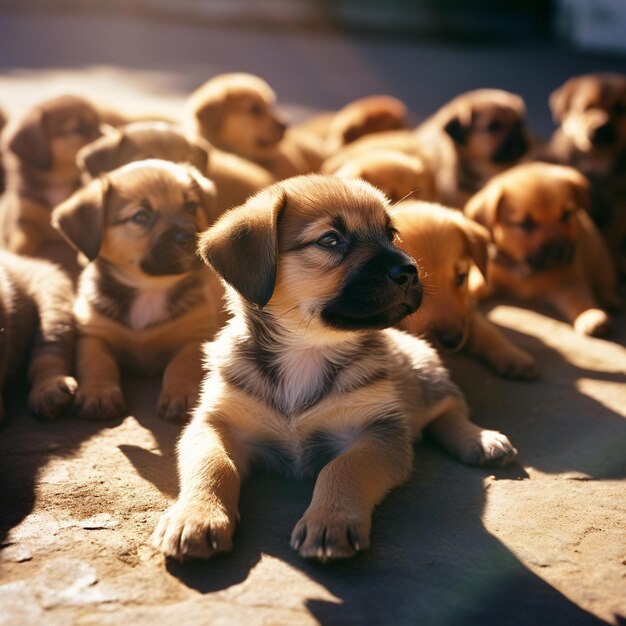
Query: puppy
{"points": [[304, 375], [237, 113], [448, 245], [545, 245], [3, 123], [37, 331], [39, 153], [472, 138], [591, 113], [145, 301], [235, 178], [398, 175]]}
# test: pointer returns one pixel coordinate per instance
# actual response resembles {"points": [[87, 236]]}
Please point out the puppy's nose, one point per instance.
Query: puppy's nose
{"points": [[604, 135], [184, 238], [403, 275], [449, 339]]}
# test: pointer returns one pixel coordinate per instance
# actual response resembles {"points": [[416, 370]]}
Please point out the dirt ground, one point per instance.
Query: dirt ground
{"points": [[541, 542]]}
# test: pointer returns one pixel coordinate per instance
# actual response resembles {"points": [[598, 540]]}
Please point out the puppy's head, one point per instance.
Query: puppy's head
{"points": [[51, 133], [397, 174], [447, 245], [531, 211], [236, 113], [139, 141], [365, 116], [142, 218], [487, 125], [316, 250], [591, 111]]}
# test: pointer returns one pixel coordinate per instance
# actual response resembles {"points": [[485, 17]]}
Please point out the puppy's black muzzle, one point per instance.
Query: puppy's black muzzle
{"points": [[174, 252], [604, 135], [551, 255], [513, 147]]}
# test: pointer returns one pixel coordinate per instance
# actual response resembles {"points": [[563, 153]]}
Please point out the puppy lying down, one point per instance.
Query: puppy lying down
{"points": [[308, 376]]}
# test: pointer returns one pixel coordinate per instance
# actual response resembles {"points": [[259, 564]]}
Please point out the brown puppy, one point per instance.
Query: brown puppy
{"points": [[472, 138], [591, 113], [397, 174], [37, 330], [146, 301], [545, 245], [39, 152], [448, 245], [304, 377], [235, 178], [237, 113]]}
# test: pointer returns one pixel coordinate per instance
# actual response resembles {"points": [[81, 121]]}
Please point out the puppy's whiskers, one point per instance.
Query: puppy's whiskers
{"points": [[405, 197]]}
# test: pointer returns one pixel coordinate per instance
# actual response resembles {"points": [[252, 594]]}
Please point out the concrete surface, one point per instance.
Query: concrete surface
{"points": [[539, 543]]}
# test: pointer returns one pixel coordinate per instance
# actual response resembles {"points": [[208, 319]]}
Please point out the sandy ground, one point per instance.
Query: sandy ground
{"points": [[541, 542]]}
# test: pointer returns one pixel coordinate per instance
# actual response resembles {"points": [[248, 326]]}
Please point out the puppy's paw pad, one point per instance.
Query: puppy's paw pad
{"points": [[593, 322], [100, 403], [189, 531], [329, 536], [52, 395], [174, 406], [490, 449]]}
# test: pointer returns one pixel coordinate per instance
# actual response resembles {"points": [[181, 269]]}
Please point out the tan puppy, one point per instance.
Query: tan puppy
{"points": [[146, 301], [397, 174], [37, 331], [591, 113], [3, 122], [545, 245], [304, 377], [448, 245], [39, 152], [472, 138], [237, 113], [235, 178]]}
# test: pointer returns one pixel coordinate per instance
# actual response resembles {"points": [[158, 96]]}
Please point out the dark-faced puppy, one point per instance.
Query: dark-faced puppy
{"points": [[591, 113], [235, 178], [39, 152], [472, 138], [545, 245], [37, 332], [145, 301], [449, 245], [304, 376]]}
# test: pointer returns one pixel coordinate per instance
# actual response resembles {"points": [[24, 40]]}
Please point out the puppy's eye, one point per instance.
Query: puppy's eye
{"points": [[329, 240], [619, 108], [528, 225], [567, 215], [494, 127], [460, 278], [143, 217], [256, 109], [191, 206], [393, 235]]}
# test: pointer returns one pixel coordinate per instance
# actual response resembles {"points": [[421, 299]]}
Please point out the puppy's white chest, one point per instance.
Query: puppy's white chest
{"points": [[302, 375], [149, 307]]}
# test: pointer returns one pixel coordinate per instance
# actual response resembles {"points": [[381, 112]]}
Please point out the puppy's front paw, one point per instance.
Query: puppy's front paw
{"points": [[174, 404], [593, 322], [487, 448], [515, 364], [100, 403], [194, 531], [49, 397], [327, 535]]}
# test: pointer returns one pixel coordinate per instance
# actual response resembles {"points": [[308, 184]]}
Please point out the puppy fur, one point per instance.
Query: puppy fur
{"points": [[39, 153], [235, 178], [145, 301], [472, 138], [304, 377], [591, 113], [545, 246], [397, 174], [448, 245], [36, 300], [237, 113]]}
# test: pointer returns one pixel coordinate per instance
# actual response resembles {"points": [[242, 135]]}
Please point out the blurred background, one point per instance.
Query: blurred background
{"points": [[316, 54]]}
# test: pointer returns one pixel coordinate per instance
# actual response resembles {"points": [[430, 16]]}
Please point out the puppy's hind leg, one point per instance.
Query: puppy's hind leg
{"points": [[466, 441], [202, 521]]}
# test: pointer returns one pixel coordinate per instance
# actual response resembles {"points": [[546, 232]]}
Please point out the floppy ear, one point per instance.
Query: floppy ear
{"points": [[459, 123], [580, 186], [209, 117], [201, 151], [242, 246], [29, 140], [80, 218], [208, 194], [100, 155], [560, 100], [483, 206], [477, 238]]}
